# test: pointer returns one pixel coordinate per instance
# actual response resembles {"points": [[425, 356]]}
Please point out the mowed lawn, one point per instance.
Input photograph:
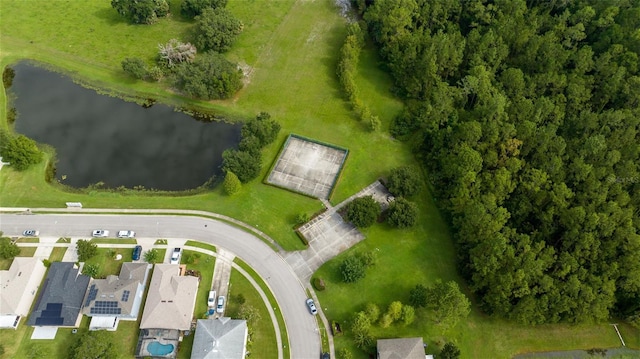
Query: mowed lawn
{"points": [[291, 50]]}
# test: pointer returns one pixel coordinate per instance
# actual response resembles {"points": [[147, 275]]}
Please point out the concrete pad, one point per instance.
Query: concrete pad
{"points": [[44, 333], [307, 167]]}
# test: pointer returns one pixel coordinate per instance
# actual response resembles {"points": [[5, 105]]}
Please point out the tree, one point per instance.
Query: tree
{"points": [[395, 310], [263, 130], [402, 213], [418, 296], [135, 67], [450, 351], [361, 328], [141, 11], [243, 164], [152, 256], [175, 52], [192, 8], [93, 345], [20, 151], [448, 303], [8, 250], [373, 312], [408, 314], [362, 211], [352, 269], [216, 29], [231, 184], [210, 76], [403, 182], [86, 250]]}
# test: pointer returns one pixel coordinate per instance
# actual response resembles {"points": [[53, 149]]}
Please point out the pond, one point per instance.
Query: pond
{"points": [[98, 138]]}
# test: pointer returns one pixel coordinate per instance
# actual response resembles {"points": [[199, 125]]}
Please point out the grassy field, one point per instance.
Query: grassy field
{"points": [[290, 48]]}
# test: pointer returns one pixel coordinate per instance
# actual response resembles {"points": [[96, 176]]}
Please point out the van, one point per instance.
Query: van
{"points": [[211, 302]]}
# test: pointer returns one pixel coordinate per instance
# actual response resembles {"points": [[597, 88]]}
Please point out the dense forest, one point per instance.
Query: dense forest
{"points": [[527, 119]]}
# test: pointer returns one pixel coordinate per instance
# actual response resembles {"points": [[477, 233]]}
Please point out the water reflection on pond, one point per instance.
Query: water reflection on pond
{"points": [[104, 139]]}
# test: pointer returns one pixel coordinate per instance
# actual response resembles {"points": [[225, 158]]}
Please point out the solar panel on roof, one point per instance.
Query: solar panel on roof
{"points": [[49, 321], [125, 295], [93, 292]]}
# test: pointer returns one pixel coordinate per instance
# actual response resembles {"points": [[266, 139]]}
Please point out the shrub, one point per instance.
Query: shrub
{"points": [[86, 250], [12, 114], [216, 29], [373, 312], [318, 284], [192, 8], [403, 181], [344, 353], [418, 296], [450, 351], [231, 184], [395, 310], [91, 270], [302, 218], [370, 258], [7, 77], [243, 164], [352, 269], [209, 77], [8, 249], [134, 67], [263, 128], [407, 315], [141, 11], [386, 320], [362, 211], [402, 213], [151, 256]]}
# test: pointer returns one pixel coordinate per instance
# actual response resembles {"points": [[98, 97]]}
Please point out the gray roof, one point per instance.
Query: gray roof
{"points": [[60, 299], [222, 338], [401, 348], [117, 296]]}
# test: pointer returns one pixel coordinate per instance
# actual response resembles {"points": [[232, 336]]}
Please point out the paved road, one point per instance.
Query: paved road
{"points": [[289, 292]]}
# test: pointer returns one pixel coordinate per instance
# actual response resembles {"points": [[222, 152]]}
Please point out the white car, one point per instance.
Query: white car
{"points": [[100, 233], [175, 256], [126, 234], [312, 306], [220, 307], [211, 302], [30, 233]]}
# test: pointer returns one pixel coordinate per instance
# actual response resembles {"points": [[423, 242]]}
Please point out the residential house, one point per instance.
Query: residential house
{"points": [[171, 299], [221, 338], [401, 348], [18, 288], [116, 298], [60, 299]]}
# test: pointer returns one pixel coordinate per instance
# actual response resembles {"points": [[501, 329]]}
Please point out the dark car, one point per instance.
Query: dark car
{"points": [[136, 253], [325, 356]]}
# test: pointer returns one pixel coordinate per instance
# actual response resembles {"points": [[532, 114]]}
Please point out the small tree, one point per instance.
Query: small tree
{"points": [[8, 250], [450, 351], [403, 182], [151, 256], [141, 11], [402, 213], [395, 310], [263, 128], [408, 314], [232, 184], [418, 296], [93, 345], [370, 258], [216, 29], [20, 151], [448, 303], [361, 328], [243, 164], [192, 8], [175, 52], [362, 211], [386, 320], [372, 311], [210, 76], [86, 250], [135, 67], [352, 269]]}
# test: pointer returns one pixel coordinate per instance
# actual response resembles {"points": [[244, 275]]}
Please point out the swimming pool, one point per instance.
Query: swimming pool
{"points": [[156, 348]]}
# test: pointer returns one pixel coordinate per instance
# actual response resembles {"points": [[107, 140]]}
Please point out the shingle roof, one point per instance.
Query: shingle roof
{"points": [[171, 299], [60, 300], [401, 348], [222, 338], [118, 296]]}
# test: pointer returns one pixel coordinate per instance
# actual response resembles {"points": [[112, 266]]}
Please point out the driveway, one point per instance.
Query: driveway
{"points": [[302, 329]]}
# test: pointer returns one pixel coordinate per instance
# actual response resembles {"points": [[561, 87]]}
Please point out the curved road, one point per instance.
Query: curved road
{"points": [[289, 292]]}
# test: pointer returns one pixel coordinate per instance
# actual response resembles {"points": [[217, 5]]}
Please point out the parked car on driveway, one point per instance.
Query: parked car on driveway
{"points": [[175, 256], [126, 234], [220, 307], [312, 306], [30, 233], [136, 253], [211, 302], [100, 233]]}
